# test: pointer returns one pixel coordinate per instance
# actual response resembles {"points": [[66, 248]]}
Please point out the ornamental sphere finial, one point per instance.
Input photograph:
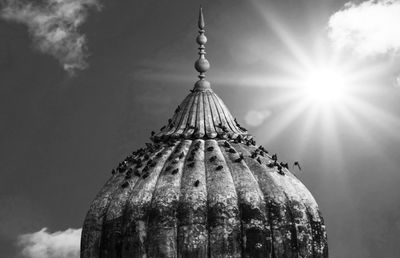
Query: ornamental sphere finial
{"points": [[202, 65]]}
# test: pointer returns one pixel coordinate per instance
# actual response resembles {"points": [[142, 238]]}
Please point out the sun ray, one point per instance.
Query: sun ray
{"points": [[305, 132], [280, 123]]}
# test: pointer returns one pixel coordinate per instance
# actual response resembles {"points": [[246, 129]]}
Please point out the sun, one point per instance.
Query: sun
{"points": [[324, 85]]}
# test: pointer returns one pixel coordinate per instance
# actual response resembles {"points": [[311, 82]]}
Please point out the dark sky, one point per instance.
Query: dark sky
{"points": [[61, 135]]}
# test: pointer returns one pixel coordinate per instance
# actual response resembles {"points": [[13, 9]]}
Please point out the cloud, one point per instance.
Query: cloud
{"points": [[256, 117], [43, 244], [53, 25], [396, 82], [368, 28]]}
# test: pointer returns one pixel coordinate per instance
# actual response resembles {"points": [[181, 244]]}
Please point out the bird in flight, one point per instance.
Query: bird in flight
{"points": [[297, 164]]}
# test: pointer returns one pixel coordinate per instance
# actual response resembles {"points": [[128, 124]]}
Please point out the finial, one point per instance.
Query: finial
{"points": [[202, 65]]}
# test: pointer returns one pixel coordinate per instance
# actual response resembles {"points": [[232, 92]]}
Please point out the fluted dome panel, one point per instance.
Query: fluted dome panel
{"points": [[202, 198]]}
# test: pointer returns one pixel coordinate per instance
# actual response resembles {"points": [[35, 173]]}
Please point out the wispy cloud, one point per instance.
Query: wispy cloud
{"points": [[368, 28], [255, 118], [53, 25], [43, 244]]}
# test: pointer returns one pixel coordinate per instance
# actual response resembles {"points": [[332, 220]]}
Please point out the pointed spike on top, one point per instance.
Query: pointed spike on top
{"points": [[201, 65], [201, 19]]}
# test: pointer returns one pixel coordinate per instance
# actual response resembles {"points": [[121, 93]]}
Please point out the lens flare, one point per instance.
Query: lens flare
{"points": [[324, 86]]}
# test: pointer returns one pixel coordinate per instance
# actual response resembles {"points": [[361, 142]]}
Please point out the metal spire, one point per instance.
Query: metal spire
{"points": [[202, 65]]}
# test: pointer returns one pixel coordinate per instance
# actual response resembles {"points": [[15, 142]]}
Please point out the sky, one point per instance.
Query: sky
{"points": [[84, 82]]}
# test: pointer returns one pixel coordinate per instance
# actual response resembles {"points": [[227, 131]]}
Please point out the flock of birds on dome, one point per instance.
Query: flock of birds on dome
{"points": [[142, 157]]}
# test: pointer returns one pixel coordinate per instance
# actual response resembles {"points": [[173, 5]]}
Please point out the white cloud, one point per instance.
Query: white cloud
{"points": [[43, 244], [53, 25], [396, 82], [368, 28], [256, 117]]}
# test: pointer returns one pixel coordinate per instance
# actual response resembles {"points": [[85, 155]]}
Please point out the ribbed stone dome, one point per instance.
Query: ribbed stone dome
{"points": [[203, 188], [211, 194]]}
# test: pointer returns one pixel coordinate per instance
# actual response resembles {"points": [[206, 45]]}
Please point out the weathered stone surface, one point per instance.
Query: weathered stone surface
{"points": [[204, 198], [203, 189]]}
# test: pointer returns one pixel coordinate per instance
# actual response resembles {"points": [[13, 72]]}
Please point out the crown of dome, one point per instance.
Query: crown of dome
{"points": [[203, 188], [202, 114]]}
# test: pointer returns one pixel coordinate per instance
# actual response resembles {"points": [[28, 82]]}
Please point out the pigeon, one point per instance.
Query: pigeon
{"points": [[285, 165], [296, 163], [241, 157], [270, 165], [219, 167], [226, 144], [213, 158]]}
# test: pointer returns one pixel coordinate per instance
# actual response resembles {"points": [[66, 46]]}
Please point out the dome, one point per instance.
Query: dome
{"points": [[203, 188]]}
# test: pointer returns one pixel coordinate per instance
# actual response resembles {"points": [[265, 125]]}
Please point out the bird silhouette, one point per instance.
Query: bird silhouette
{"points": [[296, 163], [213, 158], [226, 144], [241, 157], [285, 165]]}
